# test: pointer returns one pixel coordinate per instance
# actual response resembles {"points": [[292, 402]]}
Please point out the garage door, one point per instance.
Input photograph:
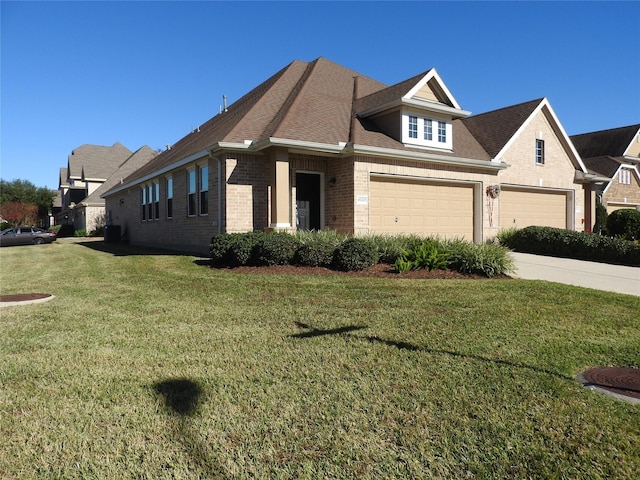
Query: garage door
{"points": [[519, 208], [612, 207], [404, 206]]}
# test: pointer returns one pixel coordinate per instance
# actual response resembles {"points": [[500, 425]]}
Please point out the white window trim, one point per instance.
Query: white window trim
{"points": [[421, 141]]}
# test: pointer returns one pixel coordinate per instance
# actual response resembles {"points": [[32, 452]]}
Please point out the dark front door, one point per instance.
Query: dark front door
{"points": [[308, 201]]}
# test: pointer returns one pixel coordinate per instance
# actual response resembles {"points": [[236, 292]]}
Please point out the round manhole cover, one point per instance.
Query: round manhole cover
{"points": [[621, 381], [24, 298]]}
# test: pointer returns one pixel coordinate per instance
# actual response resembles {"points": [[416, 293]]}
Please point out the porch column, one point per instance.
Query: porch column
{"points": [[281, 191]]}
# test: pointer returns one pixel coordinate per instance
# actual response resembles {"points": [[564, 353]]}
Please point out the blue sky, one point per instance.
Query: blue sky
{"points": [[147, 73]]}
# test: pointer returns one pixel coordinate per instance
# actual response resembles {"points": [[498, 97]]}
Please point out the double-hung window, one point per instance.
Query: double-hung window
{"points": [[442, 132], [539, 152], [428, 129], [413, 126], [143, 202], [156, 204], [169, 186], [624, 177], [191, 192], [204, 190], [149, 202]]}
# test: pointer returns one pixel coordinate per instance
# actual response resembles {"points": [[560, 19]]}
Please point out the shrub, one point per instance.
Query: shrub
{"points": [[504, 237], [430, 254], [624, 223], [486, 259], [571, 244], [391, 247], [277, 248], [601, 218], [355, 254], [98, 232], [55, 229], [316, 249], [235, 249], [80, 233]]}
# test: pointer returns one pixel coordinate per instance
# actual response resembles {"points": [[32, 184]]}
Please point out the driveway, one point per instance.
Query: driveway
{"points": [[600, 276]]}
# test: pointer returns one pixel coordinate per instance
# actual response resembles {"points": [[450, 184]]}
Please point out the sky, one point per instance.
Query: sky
{"points": [[147, 72]]}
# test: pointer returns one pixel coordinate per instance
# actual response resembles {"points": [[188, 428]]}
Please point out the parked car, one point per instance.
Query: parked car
{"points": [[25, 236]]}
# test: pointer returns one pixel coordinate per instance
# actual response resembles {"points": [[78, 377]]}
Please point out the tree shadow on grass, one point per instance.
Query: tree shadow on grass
{"points": [[345, 332], [182, 398]]}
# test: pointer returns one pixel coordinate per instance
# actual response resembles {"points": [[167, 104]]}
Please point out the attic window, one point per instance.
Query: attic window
{"points": [[430, 137], [624, 177]]}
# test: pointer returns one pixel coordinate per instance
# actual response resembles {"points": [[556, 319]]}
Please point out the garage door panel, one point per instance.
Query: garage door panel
{"points": [[416, 207], [523, 208]]}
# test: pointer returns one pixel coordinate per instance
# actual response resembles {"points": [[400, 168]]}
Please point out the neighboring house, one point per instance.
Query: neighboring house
{"points": [[614, 154], [319, 146], [91, 170]]}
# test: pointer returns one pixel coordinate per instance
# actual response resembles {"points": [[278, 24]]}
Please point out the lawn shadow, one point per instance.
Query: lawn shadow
{"points": [[344, 331], [121, 249], [182, 398]]}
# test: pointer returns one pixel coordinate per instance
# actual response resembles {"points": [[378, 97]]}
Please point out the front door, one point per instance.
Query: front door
{"points": [[308, 201]]}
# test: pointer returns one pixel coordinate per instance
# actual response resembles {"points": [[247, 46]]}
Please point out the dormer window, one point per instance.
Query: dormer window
{"points": [[435, 132]]}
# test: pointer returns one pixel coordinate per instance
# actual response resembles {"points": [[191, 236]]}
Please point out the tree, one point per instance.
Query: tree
{"points": [[19, 213], [26, 193]]}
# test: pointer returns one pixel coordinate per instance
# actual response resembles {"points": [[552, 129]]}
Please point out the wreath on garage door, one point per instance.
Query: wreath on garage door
{"points": [[492, 192]]}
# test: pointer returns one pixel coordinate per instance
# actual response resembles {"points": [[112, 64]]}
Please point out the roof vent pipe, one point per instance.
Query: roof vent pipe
{"points": [[224, 102]]}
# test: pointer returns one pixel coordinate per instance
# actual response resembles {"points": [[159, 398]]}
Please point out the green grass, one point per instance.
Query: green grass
{"points": [[150, 365]]}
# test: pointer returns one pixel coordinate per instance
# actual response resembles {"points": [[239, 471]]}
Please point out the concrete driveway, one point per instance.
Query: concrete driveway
{"points": [[600, 276]]}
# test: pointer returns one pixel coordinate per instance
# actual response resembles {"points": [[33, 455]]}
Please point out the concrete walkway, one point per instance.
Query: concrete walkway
{"points": [[600, 276]]}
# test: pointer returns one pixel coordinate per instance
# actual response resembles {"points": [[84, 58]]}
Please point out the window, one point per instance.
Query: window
{"points": [[170, 197], [150, 202], [143, 202], [442, 132], [428, 129], [624, 176], [204, 190], [539, 152], [413, 127], [156, 204], [191, 193]]}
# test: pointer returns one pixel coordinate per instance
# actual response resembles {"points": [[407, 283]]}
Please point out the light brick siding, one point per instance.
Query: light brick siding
{"points": [[619, 193]]}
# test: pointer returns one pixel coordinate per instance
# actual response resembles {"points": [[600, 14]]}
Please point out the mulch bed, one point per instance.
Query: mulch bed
{"points": [[380, 270], [23, 297]]}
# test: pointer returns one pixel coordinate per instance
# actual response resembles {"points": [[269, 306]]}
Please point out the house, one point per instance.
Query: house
{"points": [[615, 155], [319, 146], [92, 170]]}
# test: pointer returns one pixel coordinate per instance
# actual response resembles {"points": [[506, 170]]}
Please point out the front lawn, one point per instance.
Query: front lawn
{"points": [[150, 365]]}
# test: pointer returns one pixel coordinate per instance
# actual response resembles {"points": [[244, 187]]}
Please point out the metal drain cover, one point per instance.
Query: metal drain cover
{"points": [[622, 382]]}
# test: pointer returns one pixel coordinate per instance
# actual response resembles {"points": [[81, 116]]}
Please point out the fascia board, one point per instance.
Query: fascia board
{"points": [[425, 157], [157, 173], [299, 145], [435, 107], [555, 124]]}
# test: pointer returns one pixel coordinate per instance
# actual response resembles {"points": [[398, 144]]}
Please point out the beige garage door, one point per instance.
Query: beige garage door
{"points": [[521, 209], [612, 207], [403, 206]]}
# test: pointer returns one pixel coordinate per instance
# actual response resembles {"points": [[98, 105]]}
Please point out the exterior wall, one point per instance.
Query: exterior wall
{"points": [[618, 193], [557, 172], [634, 147]]}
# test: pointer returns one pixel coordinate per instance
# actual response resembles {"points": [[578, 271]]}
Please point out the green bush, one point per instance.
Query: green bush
{"points": [[486, 259], [316, 249], [98, 232], [355, 254], [601, 218], [80, 233], [558, 242], [277, 248], [235, 249], [391, 247], [624, 223], [55, 229], [430, 254]]}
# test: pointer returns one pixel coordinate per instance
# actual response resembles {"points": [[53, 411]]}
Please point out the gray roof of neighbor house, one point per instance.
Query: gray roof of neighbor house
{"points": [[96, 162], [136, 160], [604, 165], [612, 142], [319, 102]]}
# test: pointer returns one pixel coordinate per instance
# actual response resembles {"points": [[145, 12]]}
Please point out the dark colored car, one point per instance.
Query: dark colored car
{"points": [[25, 236]]}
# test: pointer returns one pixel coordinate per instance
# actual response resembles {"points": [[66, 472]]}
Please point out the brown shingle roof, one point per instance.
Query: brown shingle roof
{"points": [[96, 161], [612, 142], [494, 129], [604, 165]]}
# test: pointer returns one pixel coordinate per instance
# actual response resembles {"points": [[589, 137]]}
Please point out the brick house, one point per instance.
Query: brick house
{"points": [[615, 155], [92, 170], [318, 146]]}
